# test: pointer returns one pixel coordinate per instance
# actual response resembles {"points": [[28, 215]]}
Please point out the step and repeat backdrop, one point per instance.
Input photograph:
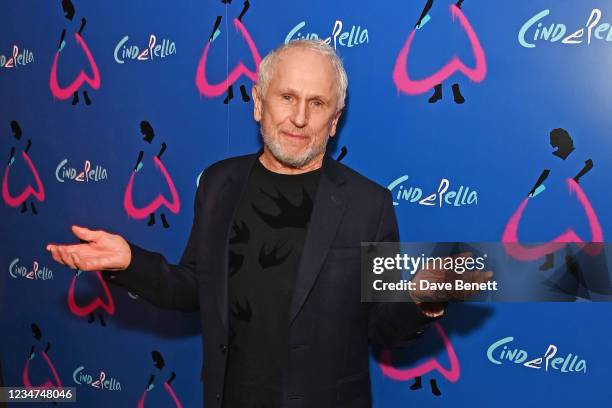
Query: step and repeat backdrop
{"points": [[111, 110]]}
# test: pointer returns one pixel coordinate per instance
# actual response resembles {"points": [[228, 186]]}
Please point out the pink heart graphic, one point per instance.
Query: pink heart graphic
{"points": [[168, 389], [512, 244], [451, 374], [140, 213], [48, 383], [81, 311], [39, 193], [211, 90], [413, 87], [65, 93]]}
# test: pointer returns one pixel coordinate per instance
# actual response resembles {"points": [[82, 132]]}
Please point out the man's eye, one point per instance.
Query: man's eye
{"points": [[317, 103], [287, 97]]}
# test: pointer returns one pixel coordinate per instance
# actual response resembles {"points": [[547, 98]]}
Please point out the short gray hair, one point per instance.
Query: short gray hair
{"points": [[269, 61]]}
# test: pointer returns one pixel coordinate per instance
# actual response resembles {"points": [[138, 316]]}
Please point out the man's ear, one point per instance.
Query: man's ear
{"points": [[256, 103], [335, 119]]}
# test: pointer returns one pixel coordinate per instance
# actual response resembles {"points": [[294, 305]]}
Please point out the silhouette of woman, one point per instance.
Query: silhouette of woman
{"points": [[48, 382], [64, 92], [562, 141], [158, 362], [437, 95], [203, 85], [149, 210], [21, 199]]}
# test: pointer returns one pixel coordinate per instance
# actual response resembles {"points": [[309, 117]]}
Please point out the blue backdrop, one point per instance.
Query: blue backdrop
{"points": [[521, 72]]}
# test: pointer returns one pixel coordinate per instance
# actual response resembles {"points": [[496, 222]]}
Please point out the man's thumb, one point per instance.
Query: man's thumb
{"points": [[85, 233]]}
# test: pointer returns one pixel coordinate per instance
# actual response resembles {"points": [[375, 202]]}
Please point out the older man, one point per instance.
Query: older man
{"points": [[273, 258]]}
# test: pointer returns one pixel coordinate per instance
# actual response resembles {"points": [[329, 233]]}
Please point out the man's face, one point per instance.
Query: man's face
{"points": [[297, 115]]}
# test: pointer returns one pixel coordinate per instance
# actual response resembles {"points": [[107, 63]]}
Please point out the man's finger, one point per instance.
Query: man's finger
{"points": [[76, 261], [66, 257], [86, 234], [55, 254], [88, 263]]}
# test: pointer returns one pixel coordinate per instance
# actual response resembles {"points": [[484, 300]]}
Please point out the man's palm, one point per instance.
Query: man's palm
{"points": [[99, 251]]}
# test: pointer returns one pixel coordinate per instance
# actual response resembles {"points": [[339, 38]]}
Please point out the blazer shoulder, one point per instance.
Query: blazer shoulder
{"points": [[360, 184], [226, 165], [220, 170]]}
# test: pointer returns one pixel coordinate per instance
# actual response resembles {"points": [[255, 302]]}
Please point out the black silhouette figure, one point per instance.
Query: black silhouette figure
{"points": [[68, 8], [560, 139], [432, 383], [290, 215], [147, 131], [272, 258], [92, 318], [37, 333], [230, 91], [343, 152], [437, 95], [16, 129], [69, 12], [158, 362]]}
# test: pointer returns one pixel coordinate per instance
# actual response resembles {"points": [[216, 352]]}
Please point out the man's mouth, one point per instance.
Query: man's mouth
{"points": [[296, 136]]}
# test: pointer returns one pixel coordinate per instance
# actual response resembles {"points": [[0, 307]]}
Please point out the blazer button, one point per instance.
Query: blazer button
{"points": [[223, 347]]}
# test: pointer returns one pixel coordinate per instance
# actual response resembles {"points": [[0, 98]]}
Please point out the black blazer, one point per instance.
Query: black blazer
{"points": [[329, 329]]}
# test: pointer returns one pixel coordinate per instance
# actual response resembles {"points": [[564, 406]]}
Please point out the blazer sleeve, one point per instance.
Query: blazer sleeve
{"points": [[163, 284], [393, 324]]}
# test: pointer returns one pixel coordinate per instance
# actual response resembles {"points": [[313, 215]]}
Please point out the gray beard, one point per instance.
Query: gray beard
{"points": [[295, 162]]}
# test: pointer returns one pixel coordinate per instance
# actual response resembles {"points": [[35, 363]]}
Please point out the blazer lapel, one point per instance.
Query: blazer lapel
{"points": [[327, 212]]}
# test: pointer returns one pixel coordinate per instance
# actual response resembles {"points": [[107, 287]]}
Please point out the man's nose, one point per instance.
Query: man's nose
{"points": [[300, 114]]}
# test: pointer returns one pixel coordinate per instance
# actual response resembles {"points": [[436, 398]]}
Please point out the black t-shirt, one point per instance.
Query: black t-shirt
{"points": [[265, 247]]}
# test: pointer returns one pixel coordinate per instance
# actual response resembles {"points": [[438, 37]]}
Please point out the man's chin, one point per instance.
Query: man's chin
{"points": [[291, 160]]}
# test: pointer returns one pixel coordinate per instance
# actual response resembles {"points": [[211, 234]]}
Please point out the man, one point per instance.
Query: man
{"points": [[273, 258]]}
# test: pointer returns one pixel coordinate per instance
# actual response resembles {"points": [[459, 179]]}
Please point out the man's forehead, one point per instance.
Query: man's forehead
{"points": [[302, 56], [307, 66]]}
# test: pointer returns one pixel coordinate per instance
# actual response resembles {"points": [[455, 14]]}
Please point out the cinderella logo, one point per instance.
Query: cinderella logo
{"points": [[408, 85], [502, 351], [17, 59]]}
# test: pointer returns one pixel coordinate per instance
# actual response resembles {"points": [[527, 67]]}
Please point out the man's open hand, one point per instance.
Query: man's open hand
{"points": [[100, 250]]}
